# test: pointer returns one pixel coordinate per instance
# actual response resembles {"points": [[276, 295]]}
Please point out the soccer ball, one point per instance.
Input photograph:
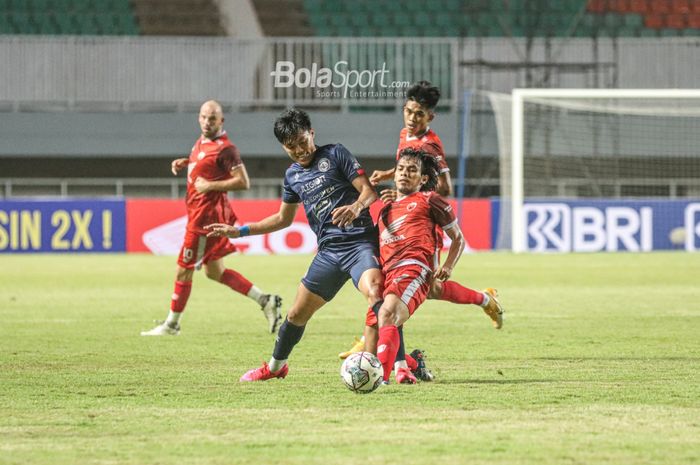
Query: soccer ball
{"points": [[362, 372]]}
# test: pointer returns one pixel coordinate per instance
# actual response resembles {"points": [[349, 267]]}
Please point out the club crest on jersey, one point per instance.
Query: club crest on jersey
{"points": [[201, 155], [324, 165], [411, 206]]}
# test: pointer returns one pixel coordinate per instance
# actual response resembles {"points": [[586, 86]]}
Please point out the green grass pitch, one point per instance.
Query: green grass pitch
{"points": [[598, 363]]}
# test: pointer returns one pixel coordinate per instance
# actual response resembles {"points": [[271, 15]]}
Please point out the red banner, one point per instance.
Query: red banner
{"points": [[158, 226]]}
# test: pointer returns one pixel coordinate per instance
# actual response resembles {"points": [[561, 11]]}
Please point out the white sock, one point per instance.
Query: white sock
{"points": [[255, 294], [173, 318], [275, 364], [486, 300], [400, 364]]}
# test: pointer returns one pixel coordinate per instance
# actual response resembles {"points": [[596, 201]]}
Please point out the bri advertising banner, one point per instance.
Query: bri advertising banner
{"points": [[611, 225], [62, 226]]}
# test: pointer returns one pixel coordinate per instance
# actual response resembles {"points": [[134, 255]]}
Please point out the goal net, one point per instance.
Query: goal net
{"points": [[598, 170]]}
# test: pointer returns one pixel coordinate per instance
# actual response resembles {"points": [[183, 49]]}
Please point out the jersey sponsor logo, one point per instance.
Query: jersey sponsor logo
{"points": [[313, 184], [324, 165], [201, 155], [319, 195], [388, 236], [321, 207]]}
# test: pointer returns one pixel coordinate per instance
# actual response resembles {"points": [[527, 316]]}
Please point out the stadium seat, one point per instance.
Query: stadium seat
{"points": [[654, 21], [596, 6], [680, 6], [5, 25], [694, 6], [677, 21], [638, 6], [659, 6], [694, 21]]}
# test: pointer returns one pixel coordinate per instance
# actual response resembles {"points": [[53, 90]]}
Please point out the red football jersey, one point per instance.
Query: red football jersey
{"points": [[408, 230], [212, 160], [429, 142]]}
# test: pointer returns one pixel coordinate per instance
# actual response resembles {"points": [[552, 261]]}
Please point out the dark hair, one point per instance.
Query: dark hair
{"points": [[426, 94], [290, 124], [428, 163]]}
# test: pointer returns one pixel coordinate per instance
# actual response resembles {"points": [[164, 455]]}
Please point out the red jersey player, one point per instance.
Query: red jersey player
{"points": [[418, 113], [214, 167], [408, 248]]}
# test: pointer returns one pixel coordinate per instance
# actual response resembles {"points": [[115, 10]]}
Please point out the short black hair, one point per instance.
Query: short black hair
{"points": [[290, 124], [426, 94], [428, 165]]}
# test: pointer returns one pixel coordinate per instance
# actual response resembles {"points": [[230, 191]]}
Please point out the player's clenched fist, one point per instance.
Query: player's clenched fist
{"points": [[222, 230]]}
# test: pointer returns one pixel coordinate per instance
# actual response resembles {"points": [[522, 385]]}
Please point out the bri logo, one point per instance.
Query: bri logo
{"points": [[558, 227]]}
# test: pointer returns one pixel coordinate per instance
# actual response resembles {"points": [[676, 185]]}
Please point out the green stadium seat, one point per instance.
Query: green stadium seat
{"points": [[22, 23], [5, 25], [357, 21], [317, 20], [669, 32], [126, 22], [46, 23], [388, 31], [633, 20], [379, 20], [106, 25], [337, 20], [402, 19], [312, 6], [86, 24], [343, 31]]}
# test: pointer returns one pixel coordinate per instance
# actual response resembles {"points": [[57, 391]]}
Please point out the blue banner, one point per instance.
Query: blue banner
{"points": [[62, 226], [610, 225]]}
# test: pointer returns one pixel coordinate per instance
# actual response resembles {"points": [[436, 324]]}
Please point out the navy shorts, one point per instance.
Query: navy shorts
{"points": [[335, 263]]}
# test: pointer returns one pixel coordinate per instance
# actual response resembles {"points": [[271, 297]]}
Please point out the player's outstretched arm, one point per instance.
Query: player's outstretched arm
{"points": [[379, 176], [272, 223], [456, 249], [238, 181], [178, 164], [345, 215]]}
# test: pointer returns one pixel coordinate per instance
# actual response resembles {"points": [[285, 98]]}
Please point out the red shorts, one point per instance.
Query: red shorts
{"points": [[411, 283], [198, 249]]}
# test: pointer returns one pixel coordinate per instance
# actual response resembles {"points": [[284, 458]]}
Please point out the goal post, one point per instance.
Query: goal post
{"points": [[600, 144]]}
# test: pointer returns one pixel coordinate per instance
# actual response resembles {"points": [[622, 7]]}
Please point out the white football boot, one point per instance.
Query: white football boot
{"points": [[163, 329]]}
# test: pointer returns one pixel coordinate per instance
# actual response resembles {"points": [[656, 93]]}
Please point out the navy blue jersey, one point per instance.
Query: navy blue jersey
{"points": [[324, 186]]}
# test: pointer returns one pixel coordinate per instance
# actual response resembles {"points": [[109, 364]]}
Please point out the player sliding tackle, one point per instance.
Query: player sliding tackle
{"points": [[336, 195], [418, 112], [408, 238]]}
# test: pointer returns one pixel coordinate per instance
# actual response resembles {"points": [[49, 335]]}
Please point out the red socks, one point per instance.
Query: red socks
{"points": [[458, 294], [387, 346], [236, 281], [180, 295]]}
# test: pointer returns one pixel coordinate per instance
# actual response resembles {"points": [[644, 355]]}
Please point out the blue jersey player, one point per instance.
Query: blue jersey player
{"points": [[336, 194]]}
